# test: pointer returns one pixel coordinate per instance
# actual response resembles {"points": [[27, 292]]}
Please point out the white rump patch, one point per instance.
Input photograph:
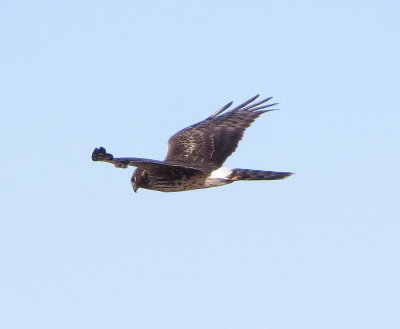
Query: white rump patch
{"points": [[221, 173]]}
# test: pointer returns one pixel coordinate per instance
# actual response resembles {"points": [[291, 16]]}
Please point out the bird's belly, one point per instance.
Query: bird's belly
{"points": [[187, 184]]}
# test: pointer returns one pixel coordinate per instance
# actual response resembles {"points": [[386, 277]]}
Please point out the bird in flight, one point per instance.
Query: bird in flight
{"points": [[196, 153]]}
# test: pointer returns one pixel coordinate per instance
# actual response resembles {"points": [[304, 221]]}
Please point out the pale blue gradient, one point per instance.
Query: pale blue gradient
{"points": [[80, 250]]}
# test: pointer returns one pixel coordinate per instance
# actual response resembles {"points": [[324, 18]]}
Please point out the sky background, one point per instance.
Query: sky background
{"points": [[80, 250]]}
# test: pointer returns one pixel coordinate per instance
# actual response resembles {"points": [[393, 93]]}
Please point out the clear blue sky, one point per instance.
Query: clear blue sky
{"points": [[80, 250]]}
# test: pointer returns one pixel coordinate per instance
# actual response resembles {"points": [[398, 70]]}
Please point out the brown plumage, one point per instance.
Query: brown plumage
{"points": [[196, 153]]}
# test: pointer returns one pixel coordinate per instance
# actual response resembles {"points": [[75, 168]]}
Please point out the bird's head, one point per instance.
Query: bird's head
{"points": [[139, 179]]}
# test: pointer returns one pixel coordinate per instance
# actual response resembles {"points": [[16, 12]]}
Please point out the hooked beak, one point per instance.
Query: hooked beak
{"points": [[135, 187]]}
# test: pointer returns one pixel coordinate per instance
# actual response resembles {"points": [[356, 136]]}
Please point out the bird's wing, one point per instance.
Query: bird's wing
{"points": [[153, 166], [210, 142]]}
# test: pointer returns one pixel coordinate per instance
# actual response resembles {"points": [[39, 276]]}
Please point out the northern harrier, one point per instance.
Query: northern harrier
{"points": [[196, 154]]}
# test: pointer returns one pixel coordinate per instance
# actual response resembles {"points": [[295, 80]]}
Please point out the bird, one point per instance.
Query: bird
{"points": [[196, 153]]}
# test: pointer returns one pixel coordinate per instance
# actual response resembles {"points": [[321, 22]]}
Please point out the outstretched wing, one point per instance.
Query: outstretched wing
{"points": [[153, 166], [210, 142]]}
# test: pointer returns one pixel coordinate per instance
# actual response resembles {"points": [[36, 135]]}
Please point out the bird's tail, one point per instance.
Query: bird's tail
{"points": [[249, 174]]}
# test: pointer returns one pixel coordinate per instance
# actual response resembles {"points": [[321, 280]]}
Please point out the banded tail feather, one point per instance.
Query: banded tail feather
{"points": [[250, 174]]}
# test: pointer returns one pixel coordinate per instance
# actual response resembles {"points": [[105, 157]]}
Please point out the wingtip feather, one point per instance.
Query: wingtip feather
{"points": [[222, 109], [246, 106], [246, 103]]}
